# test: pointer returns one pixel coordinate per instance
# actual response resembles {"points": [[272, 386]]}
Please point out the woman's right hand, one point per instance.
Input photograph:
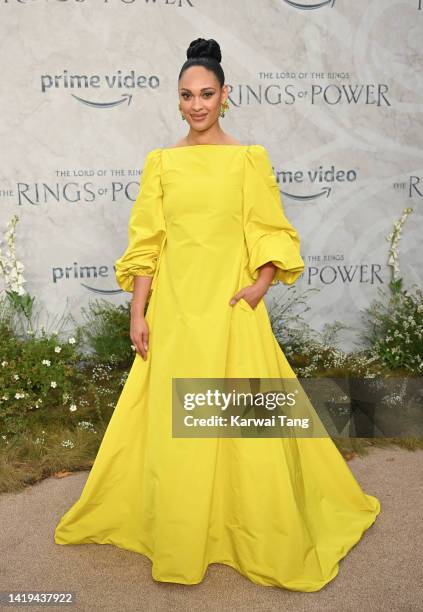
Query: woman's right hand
{"points": [[139, 333]]}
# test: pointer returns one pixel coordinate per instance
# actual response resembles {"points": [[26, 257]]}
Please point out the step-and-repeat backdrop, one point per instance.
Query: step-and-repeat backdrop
{"points": [[333, 90]]}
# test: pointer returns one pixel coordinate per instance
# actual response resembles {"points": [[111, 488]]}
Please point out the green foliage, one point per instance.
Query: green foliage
{"points": [[312, 353], [393, 328], [38, 375], [46, 378], [106, 332], [21, 304]]}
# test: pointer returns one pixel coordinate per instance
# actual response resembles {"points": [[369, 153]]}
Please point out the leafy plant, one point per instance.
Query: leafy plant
{"points": [[106, 332], [393, 325], [38, 376], [393, 328]]}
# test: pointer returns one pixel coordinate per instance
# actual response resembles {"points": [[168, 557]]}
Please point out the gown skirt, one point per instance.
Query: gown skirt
{"points": [[280, 511]]}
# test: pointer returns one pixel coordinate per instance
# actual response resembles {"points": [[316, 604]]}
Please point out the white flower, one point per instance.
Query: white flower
{"points": [[68, 443], [53, 384], [71, 340], [19, 395], [46, 362], [57, 349], [72, 407], [87, 425], [5, 397], [10, 268], [16, 376], [4, 363]]}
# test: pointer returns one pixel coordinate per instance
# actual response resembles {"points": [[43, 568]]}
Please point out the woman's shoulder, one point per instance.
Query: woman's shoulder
{"points": [[254, 151], [258, 160], [258, 155], [153, 158], [258, 149], [154, 153]]}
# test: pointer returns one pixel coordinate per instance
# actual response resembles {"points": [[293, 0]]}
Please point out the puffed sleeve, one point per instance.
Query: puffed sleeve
{"points": [[268, 234], [146, 228]]}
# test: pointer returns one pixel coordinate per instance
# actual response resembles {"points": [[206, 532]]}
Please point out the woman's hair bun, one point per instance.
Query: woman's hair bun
{"points": [[200, 47]]}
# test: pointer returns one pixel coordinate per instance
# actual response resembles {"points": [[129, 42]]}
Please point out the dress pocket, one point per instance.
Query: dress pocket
{"points": [[245, 305]]}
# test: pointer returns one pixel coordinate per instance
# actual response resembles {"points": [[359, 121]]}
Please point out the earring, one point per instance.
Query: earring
{"points": [[182, 114], [223, 108]]}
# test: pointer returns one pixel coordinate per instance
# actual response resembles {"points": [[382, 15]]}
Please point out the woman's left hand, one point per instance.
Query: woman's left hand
{"points": [[251, 294]]}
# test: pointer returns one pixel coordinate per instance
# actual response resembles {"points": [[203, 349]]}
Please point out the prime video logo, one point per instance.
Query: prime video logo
{"points": [[119, 80], [81, 272]]}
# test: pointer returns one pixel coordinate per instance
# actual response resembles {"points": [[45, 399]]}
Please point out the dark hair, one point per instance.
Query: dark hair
{"points": [[202, 52]]}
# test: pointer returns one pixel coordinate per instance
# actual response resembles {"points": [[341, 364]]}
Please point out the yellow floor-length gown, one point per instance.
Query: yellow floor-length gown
{"points": [[281, 511]]}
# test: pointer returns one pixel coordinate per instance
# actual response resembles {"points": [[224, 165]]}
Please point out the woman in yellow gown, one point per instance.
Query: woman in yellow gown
{"points": [[208, 226]]}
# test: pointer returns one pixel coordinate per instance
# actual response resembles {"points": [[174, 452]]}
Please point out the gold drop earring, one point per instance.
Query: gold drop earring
{"points": [[182, 114], [223, 108]]}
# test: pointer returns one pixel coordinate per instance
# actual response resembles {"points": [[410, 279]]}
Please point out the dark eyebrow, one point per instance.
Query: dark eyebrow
{"points": [[203, 89]]}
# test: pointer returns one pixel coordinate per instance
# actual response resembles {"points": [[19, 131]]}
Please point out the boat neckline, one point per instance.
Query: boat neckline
{"points": [[204, 145]]}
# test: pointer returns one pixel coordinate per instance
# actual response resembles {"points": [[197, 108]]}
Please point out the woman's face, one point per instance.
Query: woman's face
{"points": [[200, 97]]}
